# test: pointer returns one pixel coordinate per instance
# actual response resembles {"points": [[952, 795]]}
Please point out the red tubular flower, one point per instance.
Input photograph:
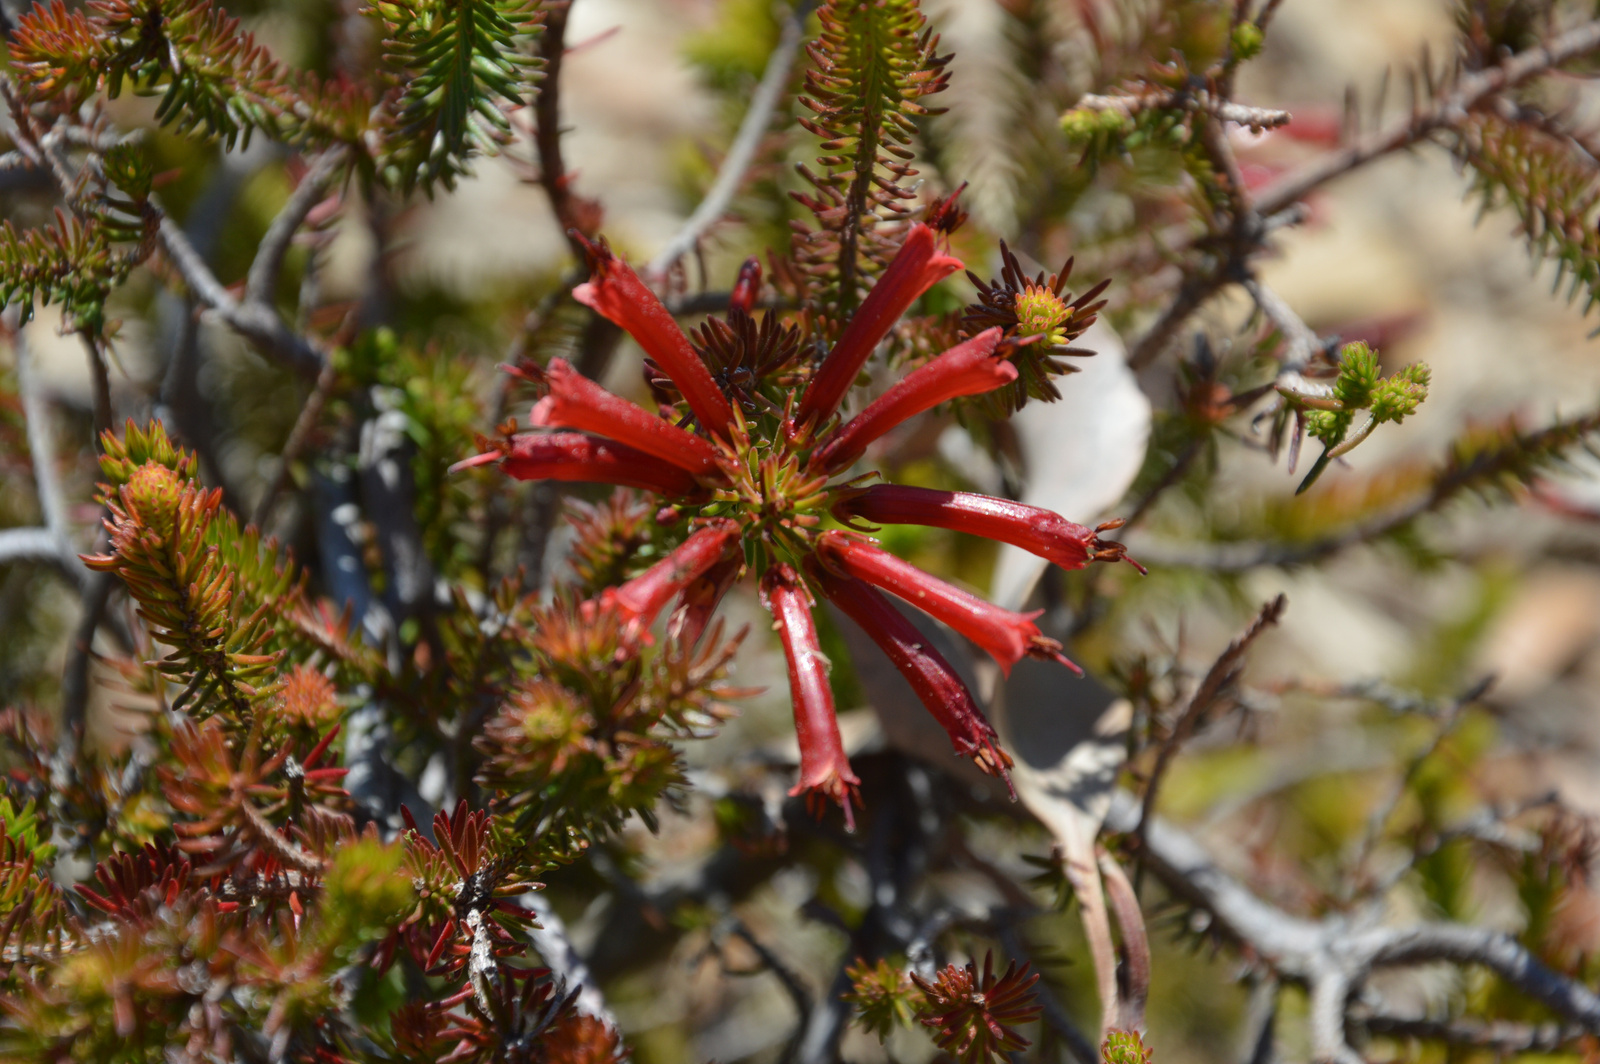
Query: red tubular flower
{"points": [[700, 599], [747, 287], [1041, 532], [824, 768], [572, 456], [616, 293], [916, 268], [1007, 635], [641, 598], [969, 368], [576, 402], [933, 679]]}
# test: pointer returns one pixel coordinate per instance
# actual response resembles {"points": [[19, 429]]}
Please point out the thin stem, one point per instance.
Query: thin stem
{"points": [[774, 80], [264, 270]]}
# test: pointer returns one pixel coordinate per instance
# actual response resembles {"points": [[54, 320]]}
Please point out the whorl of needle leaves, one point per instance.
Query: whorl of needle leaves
{"points": [[1552, 188], [449, 67], [209, 590], [872, 64], [455, 63], [76, 262]]}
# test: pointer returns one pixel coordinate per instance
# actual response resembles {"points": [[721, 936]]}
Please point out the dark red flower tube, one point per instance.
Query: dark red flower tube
{"points": [[1038, 531], [935, 682], [969, 368], [641, 598], [747, 287], [1008, 636], [701, 597], [572, 456], [916, 268], [576, 402], [824, 768], [616, 293]]}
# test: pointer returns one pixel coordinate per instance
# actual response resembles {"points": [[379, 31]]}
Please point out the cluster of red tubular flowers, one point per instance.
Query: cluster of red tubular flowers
{"points": [[752, 484]]}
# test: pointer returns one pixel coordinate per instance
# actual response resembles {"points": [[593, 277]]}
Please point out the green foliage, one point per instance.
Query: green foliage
{"points": [[1125, 1047], [872, 65], [365, 893], [213, 79], [211, 592], [70, 263], [1359, 386], [456, 63], [883, 995]]}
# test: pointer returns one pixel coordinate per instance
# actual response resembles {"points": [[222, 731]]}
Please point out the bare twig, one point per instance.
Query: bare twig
{"points": [[256, 322], [571, 210], [299, 435], [29, 545], [1333, 954], [263, 276], [1223, 672], [1135, 943], [1129, 106], [1501, 1037], [42, 446], [774, 80], [1469, 92], [566, 964]]}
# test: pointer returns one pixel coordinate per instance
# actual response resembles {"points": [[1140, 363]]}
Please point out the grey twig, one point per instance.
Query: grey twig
{"points": [[42, 446], [28, 545], [264, 269], [256, 322], [774, 80], [1469, 92], [1129, 106], [1331, 956], [566, 964]]}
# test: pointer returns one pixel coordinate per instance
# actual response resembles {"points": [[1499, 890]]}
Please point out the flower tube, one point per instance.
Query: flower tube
{"points": [[640, 599], [572, 456], [576, 402], [1006, 635], [824, 768], [969, 368], [616, 293], [933, 679], [701, 597], [916, 268], [1038, 531]]}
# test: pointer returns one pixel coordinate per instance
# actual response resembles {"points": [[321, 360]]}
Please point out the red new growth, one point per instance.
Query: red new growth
{"points": [[933, 679], [576, 402], [969, 368], [824, 768], [1008, 636], [616, 293], [916, 268]]}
